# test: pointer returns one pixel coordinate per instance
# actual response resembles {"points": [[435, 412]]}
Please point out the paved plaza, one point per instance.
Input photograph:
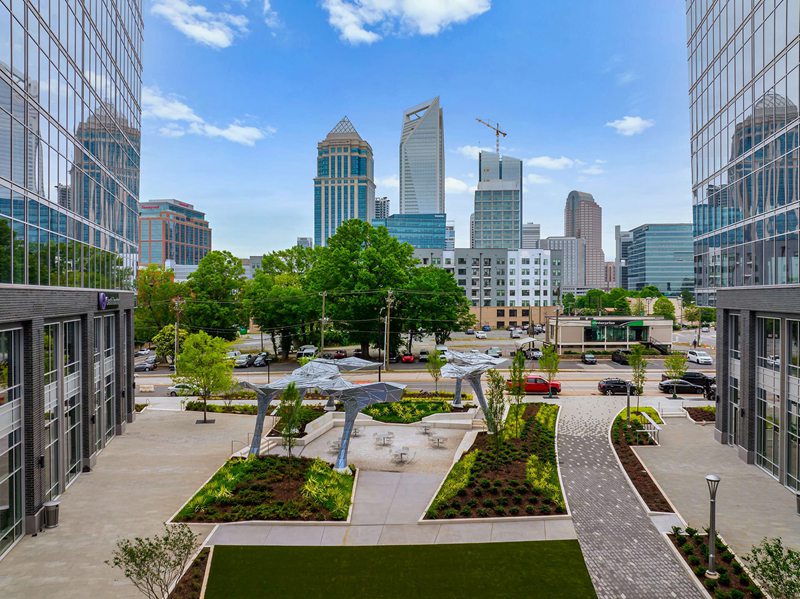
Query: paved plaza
{"points": [[751, 505], [141, 479], [624, 552]]}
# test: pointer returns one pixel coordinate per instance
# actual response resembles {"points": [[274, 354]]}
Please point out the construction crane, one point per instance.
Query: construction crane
{"points": [[497, 132]]}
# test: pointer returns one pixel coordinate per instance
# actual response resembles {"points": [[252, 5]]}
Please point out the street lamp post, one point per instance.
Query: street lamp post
{"points": [[713, 482]]}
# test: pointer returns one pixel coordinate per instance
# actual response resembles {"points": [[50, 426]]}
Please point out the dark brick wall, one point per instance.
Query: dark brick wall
{"points": [[31, 308]]}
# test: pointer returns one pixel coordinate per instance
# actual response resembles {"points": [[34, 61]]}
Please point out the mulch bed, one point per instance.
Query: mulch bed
{"points": [[733, 581], [641, 480], [191, 583], [700, 415], [501, 489]]}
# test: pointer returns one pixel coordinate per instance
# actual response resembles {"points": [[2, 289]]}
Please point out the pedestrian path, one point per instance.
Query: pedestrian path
{"points": [[625, 554], [386, 510]]}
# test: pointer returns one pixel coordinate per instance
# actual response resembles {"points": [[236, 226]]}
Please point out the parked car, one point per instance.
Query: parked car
{"points": [[588, 358], [143, 352], [486, 328], [357, 353], [480, 335], [151, 359], [698, 356], [408, 358], [621, 356], [182, 389], [495, 352], [339, 354], [680, 386], [693, 376], [262, 359], [307, 351], [441, 349], [537, 384], [538, 329], [423, 355], [144, 367], [394, 358], [705, 330], [536, 354], [469, 332], [243, 361], [516, 334], [613, 386], [233, 354]]}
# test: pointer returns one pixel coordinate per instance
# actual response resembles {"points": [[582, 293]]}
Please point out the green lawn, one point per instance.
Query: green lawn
{"points": [[547, 569]]}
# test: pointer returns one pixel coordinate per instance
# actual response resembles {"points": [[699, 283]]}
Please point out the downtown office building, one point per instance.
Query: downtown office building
{"points": [[422, 159], [744, 67], [497, 217], [69, 190]]}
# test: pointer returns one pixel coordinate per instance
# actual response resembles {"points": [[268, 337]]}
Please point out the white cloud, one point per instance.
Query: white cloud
{"points": [[630, 125], [472, 151], [271, 17], [551, 163], [215, 29], [162, 107], [457, 186], [535, 179], [355, 20], [595, 169], [625, 77]]}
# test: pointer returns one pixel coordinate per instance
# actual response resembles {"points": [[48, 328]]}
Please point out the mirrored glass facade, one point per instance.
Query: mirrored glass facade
{"points": [[70, 83], [661, 255], [422, 159], [418, 230], [744, 67]]}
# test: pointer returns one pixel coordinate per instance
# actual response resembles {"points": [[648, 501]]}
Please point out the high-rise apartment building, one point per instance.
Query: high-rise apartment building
{"points": [[344, 187], [623, 240], [498, 202], [382, 207], [172, 233], [70, 115], [660, 254], [583, 218], [568, 263], [422, 159], [744, 76], [531, 235]]}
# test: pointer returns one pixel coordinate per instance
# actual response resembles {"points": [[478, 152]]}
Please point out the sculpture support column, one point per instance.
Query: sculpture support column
{"points": [[351, 409], [475, 381], [457, 395], [264, 399]]}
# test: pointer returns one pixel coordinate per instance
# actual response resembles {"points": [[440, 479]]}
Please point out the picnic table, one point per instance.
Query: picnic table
{"points": [[437, 441], [426, 427], [401, 455], [384, 438]]}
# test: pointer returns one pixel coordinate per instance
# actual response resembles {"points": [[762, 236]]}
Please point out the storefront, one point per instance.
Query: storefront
{"points": [[583, 333]]}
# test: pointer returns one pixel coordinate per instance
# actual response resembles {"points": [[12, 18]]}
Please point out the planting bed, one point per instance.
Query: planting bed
{"points": [[733, 581], [702, 413], [623, 438], [307, 414], [271, 488], [196, 405], [409, 410], [519, 479], [191, 583]]}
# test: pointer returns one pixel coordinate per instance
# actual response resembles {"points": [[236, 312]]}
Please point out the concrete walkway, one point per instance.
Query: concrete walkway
{"points": [[751, 504], [625, 554], [141, 479], [386, 510]]}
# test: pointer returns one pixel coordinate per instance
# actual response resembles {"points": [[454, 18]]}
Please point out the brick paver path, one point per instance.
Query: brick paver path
{"points": [[625, 554]]}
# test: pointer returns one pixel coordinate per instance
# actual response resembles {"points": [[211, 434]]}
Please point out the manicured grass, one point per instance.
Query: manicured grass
{"points": [[635, 416], [546, 569]]}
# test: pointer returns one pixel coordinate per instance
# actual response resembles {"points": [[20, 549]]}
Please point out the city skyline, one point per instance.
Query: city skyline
{"points": [[194, 124]]}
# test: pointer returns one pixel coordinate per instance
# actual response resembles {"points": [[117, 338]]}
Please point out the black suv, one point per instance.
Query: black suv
{"points": [[621, 356], [695, 377], [612, 386]]}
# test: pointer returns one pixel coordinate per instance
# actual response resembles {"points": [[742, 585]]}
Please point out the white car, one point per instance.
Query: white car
{"points": [[480, 335], [143, 352], [441, 349], [182, 389], [516, 334], [307, 351], [699, 357], [494, 352], [536, 354], [232, 355], [705, 330]]}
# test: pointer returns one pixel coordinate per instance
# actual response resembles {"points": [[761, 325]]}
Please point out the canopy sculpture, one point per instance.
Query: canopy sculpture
{"points": [[320, 374], [469, 366], [357, 399]]}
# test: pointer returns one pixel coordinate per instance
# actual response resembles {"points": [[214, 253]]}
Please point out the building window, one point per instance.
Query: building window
{"points": [[501, 313], [768, 416], [11, 504]]}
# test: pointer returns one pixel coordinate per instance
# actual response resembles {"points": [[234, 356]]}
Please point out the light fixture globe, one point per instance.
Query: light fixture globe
{"points": [[713, 482]]}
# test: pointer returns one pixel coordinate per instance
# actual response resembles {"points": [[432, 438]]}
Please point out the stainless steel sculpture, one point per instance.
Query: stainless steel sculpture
{"points": [[469, 366]]}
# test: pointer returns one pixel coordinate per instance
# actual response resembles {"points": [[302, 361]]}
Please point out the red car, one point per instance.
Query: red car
{"points": [[339, 354], [536, 384], [407, 358]]}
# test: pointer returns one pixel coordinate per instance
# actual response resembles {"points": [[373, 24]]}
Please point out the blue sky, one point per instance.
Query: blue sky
{"points": [[593, 95]]}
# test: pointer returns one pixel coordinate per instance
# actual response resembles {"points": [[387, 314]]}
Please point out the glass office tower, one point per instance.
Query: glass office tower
{"points": [[744, 67], [497, 219], [422, 159], [660, 254], [70, 84]]}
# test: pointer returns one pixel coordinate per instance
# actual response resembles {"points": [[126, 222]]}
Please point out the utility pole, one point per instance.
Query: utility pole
{"points": [[178, 302], [324, 294], [389, 301]]}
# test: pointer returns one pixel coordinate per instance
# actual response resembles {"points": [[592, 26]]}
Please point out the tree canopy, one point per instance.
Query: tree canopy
{"points": [[203, 364], [155, 291], [664, 308], [215, 302]]}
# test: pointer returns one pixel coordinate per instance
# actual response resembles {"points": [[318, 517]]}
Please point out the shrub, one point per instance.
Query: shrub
{"points": [[737, 568], [456, 480], [514, 510], [530, 509], [700, 571], [466, 512], [450, 513], [720, 594], [710, 583], [483, 512], [687, 547], [694, 560], [735, 594], [725, 579]]}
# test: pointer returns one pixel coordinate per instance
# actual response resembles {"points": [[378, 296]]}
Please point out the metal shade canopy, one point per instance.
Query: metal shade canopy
{"points": [[469, 366]]}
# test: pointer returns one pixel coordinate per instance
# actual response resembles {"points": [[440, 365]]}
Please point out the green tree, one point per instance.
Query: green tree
{"points": [[687, 297], [664, 308], [638, 363], [434, 366], [568, 301], [153, 564], [164, 342], [650, 291], [156, 291], [692, 314], [216, 289], [614, 295], [517, 379], [295, 261], [549, 364], [203, 364], [290, 409], [776, 567], [594, 300], [638, 308], [434, 304], [496, 401], [622, 307], [357, 268], [708, 315], [675, 367]]}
